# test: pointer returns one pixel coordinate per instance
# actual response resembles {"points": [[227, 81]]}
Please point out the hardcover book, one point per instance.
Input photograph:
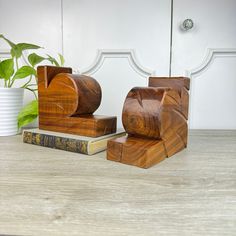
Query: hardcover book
{"points": [[69, 142]]}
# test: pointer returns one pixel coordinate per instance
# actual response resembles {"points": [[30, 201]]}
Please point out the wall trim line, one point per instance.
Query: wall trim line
{"points": [[103, 54], [211, 54]]}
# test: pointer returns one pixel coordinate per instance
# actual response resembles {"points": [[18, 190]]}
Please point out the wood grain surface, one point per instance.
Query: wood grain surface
{"points": [[136, 151], [67, 102], [52, 192], [140, 115], [181, 84], [155, 118]]}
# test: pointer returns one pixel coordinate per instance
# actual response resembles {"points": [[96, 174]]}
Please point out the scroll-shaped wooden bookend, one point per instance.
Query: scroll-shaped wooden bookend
{"points": [[67, 102], [155, 119]]}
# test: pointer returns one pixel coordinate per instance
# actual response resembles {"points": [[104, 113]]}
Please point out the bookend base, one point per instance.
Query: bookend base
{"points": [[84, 125], [140, 152]]}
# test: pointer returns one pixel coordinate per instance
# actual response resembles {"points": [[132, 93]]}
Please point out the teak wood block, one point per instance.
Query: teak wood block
{"points": [[155, 119], [136, 151], [85, 125], [179, 84], [67, 103]]}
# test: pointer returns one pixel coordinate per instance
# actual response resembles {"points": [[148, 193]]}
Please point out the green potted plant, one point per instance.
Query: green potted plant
{"points": [[20, 67]]}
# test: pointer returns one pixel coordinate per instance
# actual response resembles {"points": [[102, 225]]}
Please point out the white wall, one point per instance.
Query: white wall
{"points": [[32, 21], [207, 53], [134, 41], [120, 43], [133, 37]]}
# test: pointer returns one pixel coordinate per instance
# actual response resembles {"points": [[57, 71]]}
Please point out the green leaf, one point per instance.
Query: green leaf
{"points": [[17, 49], [28, 113], [6, 69], [62, 59], [24, 71], [35, 59], [27, 120], [52, 60], [7, 40]]}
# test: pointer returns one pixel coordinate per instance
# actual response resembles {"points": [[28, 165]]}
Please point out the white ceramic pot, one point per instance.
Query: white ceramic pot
{"points": [[11, 101]]}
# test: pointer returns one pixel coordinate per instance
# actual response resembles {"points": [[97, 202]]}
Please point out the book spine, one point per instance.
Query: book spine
{"points": [[46, 140]]}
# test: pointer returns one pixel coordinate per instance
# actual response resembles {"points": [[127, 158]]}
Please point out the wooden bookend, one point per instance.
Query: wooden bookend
{"points": [[67, 102], [155, 119]]}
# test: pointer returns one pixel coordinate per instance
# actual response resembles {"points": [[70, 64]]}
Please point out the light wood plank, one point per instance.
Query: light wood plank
{"points": [[51, 192]]}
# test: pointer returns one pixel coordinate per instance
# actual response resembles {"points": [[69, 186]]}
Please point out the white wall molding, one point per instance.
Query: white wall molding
{"points": [[129, 54], [211, 54], [4, 53]]}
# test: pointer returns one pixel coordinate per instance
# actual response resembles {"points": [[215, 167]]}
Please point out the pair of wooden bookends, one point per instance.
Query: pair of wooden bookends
{"points": [[154, 117]]}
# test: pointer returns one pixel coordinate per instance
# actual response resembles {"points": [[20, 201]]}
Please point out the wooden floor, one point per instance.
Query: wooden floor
{"points": [[51, 192]]}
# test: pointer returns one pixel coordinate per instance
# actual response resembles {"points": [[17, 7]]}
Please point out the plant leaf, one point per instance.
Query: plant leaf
{"points": [[52, 60], [17, 49], [28, 113], [35, 59], [62, 59], [6, 69], [24, 71], [27, 120], [7, 40]]}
